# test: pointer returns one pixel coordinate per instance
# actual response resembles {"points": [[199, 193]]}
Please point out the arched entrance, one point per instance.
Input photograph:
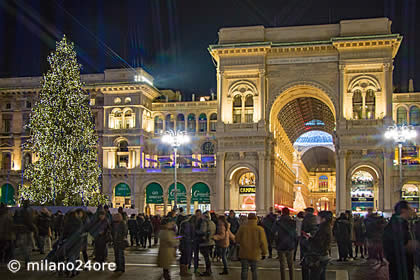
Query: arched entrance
{"points": [[200, 197], [410, 193], [154, 199], [302, 120], [364, 190], [122, 196], [7, 194], [323, 204], [243, 190]]}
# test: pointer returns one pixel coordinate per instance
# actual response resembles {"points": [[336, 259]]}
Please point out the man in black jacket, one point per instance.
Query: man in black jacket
{"points": [[285, 232], [268, 223], [398, 243]]}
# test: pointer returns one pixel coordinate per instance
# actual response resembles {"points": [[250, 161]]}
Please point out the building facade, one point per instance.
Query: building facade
{"points": [[298, 121]]}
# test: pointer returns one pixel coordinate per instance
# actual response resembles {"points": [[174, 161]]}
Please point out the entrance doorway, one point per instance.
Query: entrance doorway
{"points": [[122, 196], [410, 193], [363, 191]]}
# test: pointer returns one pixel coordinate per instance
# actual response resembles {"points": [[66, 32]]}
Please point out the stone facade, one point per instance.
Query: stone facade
{"points": [[271, 82]]}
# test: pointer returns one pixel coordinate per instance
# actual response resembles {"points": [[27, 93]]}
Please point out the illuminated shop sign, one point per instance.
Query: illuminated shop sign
{"points": [[244, 190]]}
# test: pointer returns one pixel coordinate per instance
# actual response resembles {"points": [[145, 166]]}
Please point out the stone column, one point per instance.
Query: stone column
{"points": [[343, 94], [364, 104], [387, 181], [188, 202], [388, 90], [262, 95], [269, 193], [141, 203], [219, 94], [165, 203], [341, 188], [260, 191], [227, 195], [220, 183]]}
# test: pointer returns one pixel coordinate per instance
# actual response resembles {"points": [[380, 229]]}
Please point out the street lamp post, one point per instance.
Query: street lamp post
{"points": [[175, 139], [400, 134]]}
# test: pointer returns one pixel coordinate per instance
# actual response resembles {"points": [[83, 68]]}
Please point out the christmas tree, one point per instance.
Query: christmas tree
{"points": [[299, 203], [62, 137]]}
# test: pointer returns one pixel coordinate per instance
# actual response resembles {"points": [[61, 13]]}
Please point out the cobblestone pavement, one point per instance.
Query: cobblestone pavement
{"points": [[140, 264]]}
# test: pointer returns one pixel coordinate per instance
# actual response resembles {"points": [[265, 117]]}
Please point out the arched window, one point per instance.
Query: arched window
{"points": [[169, 122], [401, 115], [357, 105], [202, 122], [414, 116], [191, 123], [323, 183], [122, 154], [370, 104], [237, 109], [128, 119], [213, 122], [7, 161], [180, 122], [249, 109], [158, 125], [115, 119]]}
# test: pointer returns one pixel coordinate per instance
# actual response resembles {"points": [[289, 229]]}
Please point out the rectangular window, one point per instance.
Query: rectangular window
{"points": [[28, 104], [7, 122], [8, 106], [92, 102], [249, 116], [237, 115]]}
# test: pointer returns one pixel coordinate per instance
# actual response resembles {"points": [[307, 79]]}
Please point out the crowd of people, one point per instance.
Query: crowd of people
{"points": [[391, 246]]}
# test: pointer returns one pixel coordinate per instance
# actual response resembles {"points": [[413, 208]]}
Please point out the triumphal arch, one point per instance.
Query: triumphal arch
{"points": [[275, 84]]}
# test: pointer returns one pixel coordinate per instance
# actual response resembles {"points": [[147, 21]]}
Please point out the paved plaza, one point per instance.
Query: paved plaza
{"points": [[140, 264]]}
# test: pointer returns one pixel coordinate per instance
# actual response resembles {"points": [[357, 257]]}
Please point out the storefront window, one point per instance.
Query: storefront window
{"points": [[247, 191], [362, 191]]}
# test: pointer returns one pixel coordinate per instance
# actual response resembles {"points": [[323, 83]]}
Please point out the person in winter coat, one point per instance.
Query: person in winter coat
{"points": [[7, 235], [141, 235], [253, 244], [285, 232], [180, 218], [316, 259], [84, 232], [72, 239], [206, 233], [58, 224], [25, 227], [133, 230], [375, 225], [168, 244], [268, 223], [398, 243], [359, 230], [197, 220], [299, 220], [101, 232], [234, 227], [119, 240], [156, 228], [147, 230], [309, 227], [350, 218], [341, 232], [187, 233], [223, 238], [44, 228]]}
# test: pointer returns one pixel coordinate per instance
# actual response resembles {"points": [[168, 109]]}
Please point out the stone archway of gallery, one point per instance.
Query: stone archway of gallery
{"points": [[376, 173], [233, 171], [298, 90]]}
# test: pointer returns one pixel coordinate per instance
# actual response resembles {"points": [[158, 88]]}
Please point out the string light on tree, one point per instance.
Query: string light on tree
{"points": [[62, 137]]}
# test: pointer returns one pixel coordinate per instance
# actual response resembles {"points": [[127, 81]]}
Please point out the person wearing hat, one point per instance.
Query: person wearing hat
{"points": [[252, 245]]}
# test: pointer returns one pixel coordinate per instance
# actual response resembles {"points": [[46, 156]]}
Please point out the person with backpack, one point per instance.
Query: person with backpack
{"points": [[268, 223], [206, 232], [284, 231]]}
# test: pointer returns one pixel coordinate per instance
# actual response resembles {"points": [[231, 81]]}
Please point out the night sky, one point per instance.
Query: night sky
{"points": [[170, 38]]}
